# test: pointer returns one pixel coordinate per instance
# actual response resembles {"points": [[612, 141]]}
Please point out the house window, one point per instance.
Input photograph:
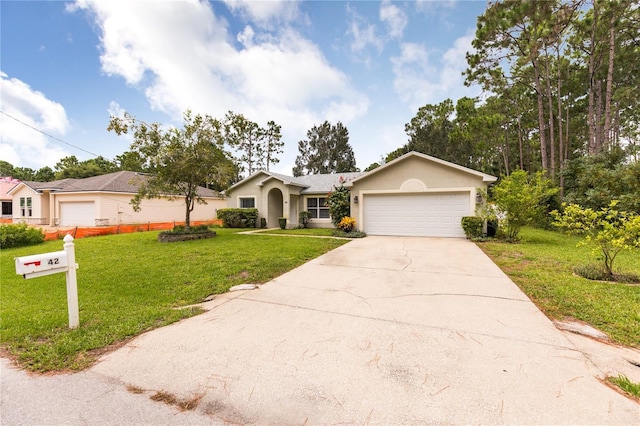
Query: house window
{"points": [[247, 202], [29, 210], [318, 208], [7, 208]]}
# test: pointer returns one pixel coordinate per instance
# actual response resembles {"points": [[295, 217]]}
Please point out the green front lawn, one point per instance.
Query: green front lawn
{"points": [[315, 232], [541, 265], [130, 283]]}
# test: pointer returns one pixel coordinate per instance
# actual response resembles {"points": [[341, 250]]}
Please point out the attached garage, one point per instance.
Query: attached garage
{"points": [[427, 215], [416, 195], [78, 214]]}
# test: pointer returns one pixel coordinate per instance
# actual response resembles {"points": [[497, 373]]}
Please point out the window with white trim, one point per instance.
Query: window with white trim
{"points": [[26, 207], [317, 207], [247, 202]]}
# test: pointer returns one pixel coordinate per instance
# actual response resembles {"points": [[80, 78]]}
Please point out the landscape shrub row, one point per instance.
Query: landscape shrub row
{"points": [[19, 235], [238, 218]]}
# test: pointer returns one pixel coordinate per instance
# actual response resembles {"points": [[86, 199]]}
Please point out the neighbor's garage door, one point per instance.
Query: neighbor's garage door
{"points": [[77, 214], [429, 215]]}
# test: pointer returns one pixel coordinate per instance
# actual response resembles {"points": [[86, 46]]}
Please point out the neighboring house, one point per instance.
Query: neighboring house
{"points": [[6, 183], [100, 201], [415, 194]]}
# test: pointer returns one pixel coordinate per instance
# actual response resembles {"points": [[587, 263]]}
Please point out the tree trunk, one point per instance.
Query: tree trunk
{"points": [[541, 125], [190, 203], [560, 141], [552, 143], [591, 107], [567, 152], [598, 118], [607, 102], [505, 155], [520, 147]]}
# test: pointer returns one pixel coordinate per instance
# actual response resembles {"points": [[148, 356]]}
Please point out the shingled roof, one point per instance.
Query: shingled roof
{"points": [[123, 181], [311, 184]]}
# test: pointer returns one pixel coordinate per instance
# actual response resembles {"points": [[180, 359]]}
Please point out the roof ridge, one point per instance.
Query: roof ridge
{"points": [[113, 178]]}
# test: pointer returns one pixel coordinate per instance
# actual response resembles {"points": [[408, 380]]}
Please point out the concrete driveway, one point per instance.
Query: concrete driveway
{"points": [[383, 330]]}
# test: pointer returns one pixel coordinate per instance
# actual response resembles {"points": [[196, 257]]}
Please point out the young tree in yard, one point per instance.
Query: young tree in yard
{"points": [[326, 150], [609, 230], [181, 159], [522, 199]]}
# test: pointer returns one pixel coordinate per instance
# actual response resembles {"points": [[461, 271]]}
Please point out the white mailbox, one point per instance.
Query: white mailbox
{"points": [[38, 265]]}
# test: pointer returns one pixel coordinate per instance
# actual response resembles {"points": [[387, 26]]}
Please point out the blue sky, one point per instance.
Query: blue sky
{"points": [[66, 66]]}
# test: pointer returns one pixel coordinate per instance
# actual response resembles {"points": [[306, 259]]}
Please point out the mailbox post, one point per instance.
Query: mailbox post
{"points": [[72, 283], [39, 265]]}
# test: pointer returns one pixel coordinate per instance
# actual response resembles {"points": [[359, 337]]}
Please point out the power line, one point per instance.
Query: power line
{"points": [[50, 136]]}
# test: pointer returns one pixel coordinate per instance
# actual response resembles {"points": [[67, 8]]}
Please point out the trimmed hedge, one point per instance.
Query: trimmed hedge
{"points": [[18, 235], [238, 218], [472, 226]]}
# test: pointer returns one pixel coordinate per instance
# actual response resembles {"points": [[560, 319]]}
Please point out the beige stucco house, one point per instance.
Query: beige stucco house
{"points": [[100, 201], [415, 194]]}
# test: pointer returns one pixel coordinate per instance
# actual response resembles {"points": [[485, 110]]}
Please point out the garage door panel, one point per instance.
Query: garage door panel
{"points": [[77, 214], [436, 215]]}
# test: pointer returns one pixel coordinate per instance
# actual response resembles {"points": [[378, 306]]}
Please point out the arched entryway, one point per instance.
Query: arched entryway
{"points": [[275, 208]]}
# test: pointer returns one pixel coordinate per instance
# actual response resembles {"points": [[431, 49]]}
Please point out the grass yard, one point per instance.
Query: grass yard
{"points": [[541, 265], [316, 232], [128, 284]]}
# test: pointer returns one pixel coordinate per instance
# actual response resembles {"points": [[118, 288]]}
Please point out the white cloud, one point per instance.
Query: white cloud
{"points": [[363, 36], [435, 5], [265, 13], [419, 80], [115, 110], [394, 17], [278, 76], [21, 145]]}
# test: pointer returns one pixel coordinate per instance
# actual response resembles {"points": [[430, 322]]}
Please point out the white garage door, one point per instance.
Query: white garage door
{"points": [[429, 215], [78, 214]]}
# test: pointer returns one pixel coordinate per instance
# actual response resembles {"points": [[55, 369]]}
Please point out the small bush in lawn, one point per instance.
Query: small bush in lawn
{"points": [[347, 224], [597, 273], [591, 272], [472, 226], [303, 218], [19, 235]]}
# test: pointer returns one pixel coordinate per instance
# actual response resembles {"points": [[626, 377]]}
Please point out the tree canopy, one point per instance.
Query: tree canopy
{"points": [[257, 147], [326, 150], [181, 159]]}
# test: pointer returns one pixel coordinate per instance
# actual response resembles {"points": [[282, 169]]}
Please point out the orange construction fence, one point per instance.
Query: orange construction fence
{"points": [[82, 232]]}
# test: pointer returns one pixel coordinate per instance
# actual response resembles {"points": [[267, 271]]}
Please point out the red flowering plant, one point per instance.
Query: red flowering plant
{"points": [[339, 203]]}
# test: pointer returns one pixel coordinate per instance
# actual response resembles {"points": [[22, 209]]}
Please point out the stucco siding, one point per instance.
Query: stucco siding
{"points": [[39, 212], [432, 174], [248, 188]]}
